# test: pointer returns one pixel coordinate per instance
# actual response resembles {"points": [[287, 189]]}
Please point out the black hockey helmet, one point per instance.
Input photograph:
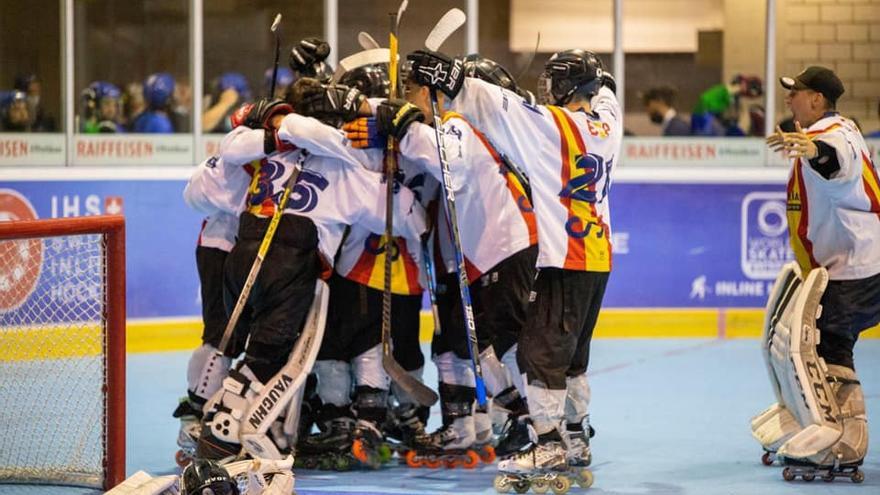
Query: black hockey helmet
{"points": [[205, 477], [371, 80], [489, 71], [568, 72]]}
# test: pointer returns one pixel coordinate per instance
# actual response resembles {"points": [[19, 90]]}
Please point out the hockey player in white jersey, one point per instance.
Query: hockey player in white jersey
{"points": [[326, 196], [568, 149], [355, 342], [819, 305], [501, 267]]}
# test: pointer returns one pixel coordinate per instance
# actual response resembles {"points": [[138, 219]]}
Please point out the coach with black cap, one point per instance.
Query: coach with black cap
{"points": [[833, 212]]}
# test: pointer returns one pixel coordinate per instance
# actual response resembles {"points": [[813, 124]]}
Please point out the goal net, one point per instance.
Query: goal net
{"points": [[62, 351]]}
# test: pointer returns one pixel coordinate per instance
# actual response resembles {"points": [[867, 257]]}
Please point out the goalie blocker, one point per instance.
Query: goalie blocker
{"points": [[819, 418]]}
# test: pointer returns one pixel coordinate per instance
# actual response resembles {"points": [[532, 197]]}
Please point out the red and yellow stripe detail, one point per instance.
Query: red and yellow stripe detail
{"points": [[369, 269], [871, 184], [590, 252], [797, 214], [517, 190], [265, 208]]}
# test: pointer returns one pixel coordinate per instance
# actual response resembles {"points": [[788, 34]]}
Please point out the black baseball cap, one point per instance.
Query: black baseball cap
{"points": [[819, 79]]}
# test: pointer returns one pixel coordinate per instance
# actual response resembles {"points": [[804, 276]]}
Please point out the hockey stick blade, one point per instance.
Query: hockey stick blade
{"points": [[366, 41], [412, 386], [275, 23], [400, 10], [361, 59], [444, 28]]}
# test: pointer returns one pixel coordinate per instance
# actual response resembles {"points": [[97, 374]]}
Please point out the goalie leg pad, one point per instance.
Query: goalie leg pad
{"points": [[782, 298], [206, 370], [817, 445], [263, 476], [774, 426], [224, 412]]}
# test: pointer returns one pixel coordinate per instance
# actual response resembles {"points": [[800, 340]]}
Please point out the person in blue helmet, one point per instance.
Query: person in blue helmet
{"points": [[158, 92], [101, 108], [285, 79], [229, 91], [14, 112]]}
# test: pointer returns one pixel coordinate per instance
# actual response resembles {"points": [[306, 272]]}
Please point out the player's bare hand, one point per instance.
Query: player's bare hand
{"points": [[799, 145]]}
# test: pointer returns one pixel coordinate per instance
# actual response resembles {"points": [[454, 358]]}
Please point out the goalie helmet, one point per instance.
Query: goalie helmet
{"points": [[488, 70], [204, 477], [371, 80], [569, 72]]}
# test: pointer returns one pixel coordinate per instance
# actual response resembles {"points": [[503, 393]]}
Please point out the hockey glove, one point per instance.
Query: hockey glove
{"points": [[258, 115], [609, 82], [305, 55], [438, 71], [395, 116], [364, 133], [331, 102]]}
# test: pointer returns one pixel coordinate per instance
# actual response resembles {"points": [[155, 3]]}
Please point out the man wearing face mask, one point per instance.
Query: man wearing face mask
{"points": [[659, 104]]}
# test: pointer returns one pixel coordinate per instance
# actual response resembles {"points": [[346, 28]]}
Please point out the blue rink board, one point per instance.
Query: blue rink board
{"points": [[672, 418]]}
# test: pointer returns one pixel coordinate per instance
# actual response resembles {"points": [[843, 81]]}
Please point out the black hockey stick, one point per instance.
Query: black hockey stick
{"points": [[417, 390], [274, 29], [451, 21]]}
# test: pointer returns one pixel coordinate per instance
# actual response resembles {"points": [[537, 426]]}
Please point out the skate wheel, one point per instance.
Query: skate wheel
{"points": [[412, 459], [472, 460], [808, 476], [560, 485], [501, 484], [766, 459], [540, 486], [521, 486], [858, 476], [828, 478], [787, 474], [182, 458], [432, 463], [585, 478], [359, 452], [488, 454], [451, 463]]}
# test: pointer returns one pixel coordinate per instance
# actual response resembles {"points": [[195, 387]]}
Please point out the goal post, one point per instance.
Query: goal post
{"points": [[62, 351]]}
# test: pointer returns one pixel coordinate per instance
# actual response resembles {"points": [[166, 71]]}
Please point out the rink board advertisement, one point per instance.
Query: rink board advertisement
{"points": [[675, 245]]}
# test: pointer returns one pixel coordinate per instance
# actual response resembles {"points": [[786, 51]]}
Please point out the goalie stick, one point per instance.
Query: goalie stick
{"points": [[419, 392], [451, 21]]}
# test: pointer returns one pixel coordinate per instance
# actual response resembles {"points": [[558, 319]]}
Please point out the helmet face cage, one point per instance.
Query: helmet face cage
{"points": [[102, 100], [571, 71]]}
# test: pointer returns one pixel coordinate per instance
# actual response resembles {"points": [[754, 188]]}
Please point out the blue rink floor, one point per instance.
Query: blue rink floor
{"points": [[672, 417]]}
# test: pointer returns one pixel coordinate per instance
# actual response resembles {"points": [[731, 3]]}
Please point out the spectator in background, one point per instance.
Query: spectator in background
{"points": [[40, 120], [132, 103], [182, 106], [14, 114], [229, 91], [158, 96], [875, 134], [101, 108], [660, 106]]}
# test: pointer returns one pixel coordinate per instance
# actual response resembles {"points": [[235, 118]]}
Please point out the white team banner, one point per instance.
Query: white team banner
{"points": [[23, 149], [133, 149], [694, 151]]}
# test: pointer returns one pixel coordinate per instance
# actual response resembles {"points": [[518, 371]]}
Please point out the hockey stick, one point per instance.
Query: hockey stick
{"points": [[451, 21], [419, 392], [366, 41], [431, 275], [274, 29], [360, 59]]}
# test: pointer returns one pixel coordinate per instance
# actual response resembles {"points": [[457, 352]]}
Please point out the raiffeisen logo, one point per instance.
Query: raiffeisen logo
{"points": [[20, 260]]}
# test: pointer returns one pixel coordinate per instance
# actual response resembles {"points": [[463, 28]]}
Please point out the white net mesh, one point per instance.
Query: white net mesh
{"points": [[52, 363]]}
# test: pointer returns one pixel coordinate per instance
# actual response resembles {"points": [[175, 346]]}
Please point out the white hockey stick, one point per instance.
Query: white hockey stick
{"points": [[372, 56], [366, 41], [274, 30], [448, 24]]}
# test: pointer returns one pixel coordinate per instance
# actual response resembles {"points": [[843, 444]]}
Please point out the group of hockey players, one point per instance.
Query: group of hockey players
{"points": [[530, 185], [528, 180]]}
